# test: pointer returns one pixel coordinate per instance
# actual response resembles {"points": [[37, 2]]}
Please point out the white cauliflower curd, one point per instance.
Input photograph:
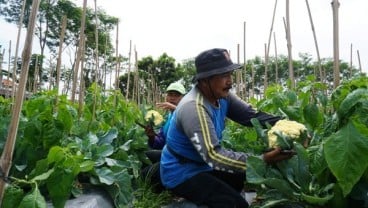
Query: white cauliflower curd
{"points": [[154, 116], [291, 129]]}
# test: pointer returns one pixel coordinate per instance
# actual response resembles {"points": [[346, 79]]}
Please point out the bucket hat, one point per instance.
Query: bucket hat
{"points": [[176, 86], [212, 62]]}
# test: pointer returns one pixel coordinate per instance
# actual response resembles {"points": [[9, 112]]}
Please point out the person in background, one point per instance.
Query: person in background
{"points": [[174, 93], [193, 164], [156, 141]]}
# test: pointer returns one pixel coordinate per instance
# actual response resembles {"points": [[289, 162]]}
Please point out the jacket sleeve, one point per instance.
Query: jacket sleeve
{"points": [[197, 125], [159, 141], [241, 112]]}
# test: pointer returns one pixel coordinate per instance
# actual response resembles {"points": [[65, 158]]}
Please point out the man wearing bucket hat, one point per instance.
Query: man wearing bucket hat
{"points": [[193, 163], [174, 93]]}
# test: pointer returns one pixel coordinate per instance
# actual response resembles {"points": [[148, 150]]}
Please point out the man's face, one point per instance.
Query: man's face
{"points": [[173, 97], [221, 84]]}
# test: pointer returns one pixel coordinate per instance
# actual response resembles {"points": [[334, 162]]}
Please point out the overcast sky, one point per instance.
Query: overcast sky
{"points": [[183, 29]]}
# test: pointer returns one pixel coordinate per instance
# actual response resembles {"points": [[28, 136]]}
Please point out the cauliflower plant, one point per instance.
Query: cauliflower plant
{"points": [[154, 117], [284, 132]]}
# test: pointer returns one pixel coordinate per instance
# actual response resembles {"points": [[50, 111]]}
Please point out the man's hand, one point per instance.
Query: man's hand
{"points": [[277, 155], [166, 106], [150, 132]]}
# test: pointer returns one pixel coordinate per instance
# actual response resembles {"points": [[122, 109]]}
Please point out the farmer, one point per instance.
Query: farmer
{"points": [[194, 165], [174, 93]]}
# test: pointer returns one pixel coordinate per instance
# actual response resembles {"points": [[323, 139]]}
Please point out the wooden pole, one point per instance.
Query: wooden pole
{"points": [[79, 52], [265, 81], [82, 84], [14, 88], [268, 46], [128, 81], [58, 62], [276, 61], [290, 55], [117, 62], [97, 65], [321, 78], [238, 72], [7, 77], [245, 60], [35, 76], [360, 64], [7, 154], [336, 63], [1, 67], [351, 60]]}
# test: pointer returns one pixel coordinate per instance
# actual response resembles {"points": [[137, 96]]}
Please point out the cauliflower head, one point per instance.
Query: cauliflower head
{"points": [[291, 129], [154, 117]]}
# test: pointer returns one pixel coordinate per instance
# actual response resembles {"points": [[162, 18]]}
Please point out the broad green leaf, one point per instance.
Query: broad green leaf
{"points": [[316, 200], [86, 166], [273, 203], [43, 176], [346, 154], [122, 191], [59, 186], [33, 200], [292, 112], [256, 170], [302, 173], [105, 175], [92, 138], [65, 117], [12, 196], [352, 99], [312, 115], [104, 150], [281, 185], [118, 163], [317, 160], [126, 145], [109, 137], [287, 168], [292, 97], [261, 132], [56, 154]]}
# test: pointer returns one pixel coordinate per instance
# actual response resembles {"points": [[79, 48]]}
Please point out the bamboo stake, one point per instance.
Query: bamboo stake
{"points": [[289, 46], [244, 60], [276, 60], [268, 46], [315, 42], [117, 63], [351, 60], [360, 64], [137, 76], [336, 64], [14, 89], [79, 53], [128, 81], [58, 62], [82, 84], [265, 81], [52, 80], [35, 76], [9, 60], [271, 29], [7, 154], [97, 65], [252, 88], [1, 68], [238, 72]]}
